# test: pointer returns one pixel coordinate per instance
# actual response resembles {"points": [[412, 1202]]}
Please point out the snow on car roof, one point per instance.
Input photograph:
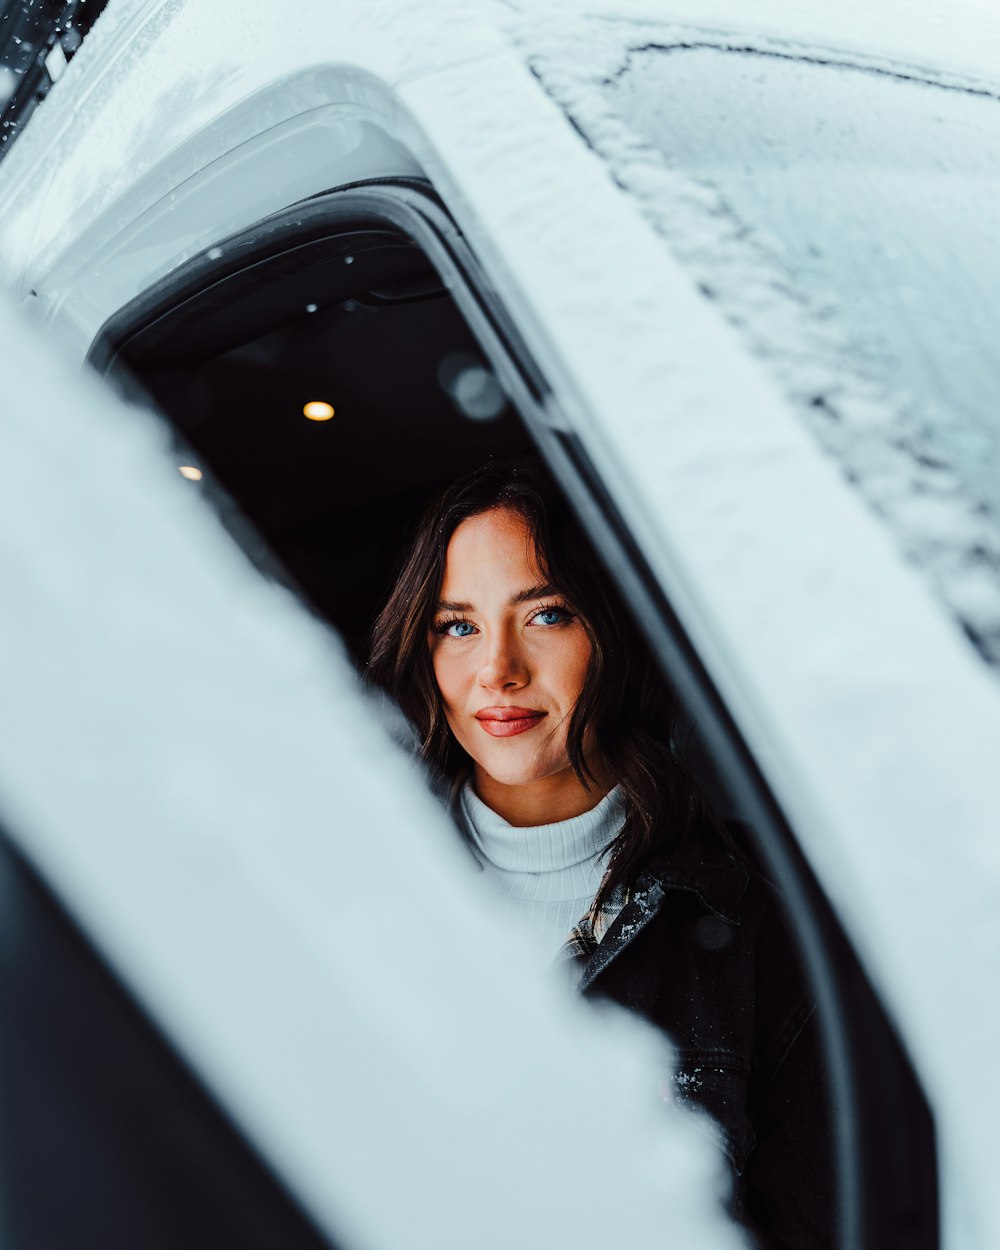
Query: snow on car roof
{"points": [[903, 396], [958, 37], [173, 67]]}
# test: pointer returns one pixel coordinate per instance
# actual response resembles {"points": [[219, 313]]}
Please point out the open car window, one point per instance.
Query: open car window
{"points": [[368, 303]]}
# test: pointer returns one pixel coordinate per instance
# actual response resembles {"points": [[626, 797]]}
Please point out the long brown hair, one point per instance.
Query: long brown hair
{"points": [[625, 697]]}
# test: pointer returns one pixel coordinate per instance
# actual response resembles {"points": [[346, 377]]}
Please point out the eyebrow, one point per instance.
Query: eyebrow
{"points": [[540, 591]]}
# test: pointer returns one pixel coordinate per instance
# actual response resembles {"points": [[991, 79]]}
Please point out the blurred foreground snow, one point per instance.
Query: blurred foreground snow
{"points": [[186, 757]]}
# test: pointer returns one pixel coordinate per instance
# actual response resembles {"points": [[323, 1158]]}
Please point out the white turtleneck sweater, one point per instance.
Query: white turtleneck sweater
{"points": [[549, 873]]}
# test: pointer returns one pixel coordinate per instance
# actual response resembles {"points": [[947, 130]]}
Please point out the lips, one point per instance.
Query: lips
{"points": [[505, 722]]}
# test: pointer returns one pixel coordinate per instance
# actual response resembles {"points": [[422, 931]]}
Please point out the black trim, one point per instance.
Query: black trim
{"points": [[872, 1086], [405, 205]]}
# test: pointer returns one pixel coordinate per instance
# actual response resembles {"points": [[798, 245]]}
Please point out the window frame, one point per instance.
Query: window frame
{"points": [[870, 1080]]}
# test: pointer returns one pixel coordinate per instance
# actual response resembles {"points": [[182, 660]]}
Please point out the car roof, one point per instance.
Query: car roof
{"points": [[937, 36]]}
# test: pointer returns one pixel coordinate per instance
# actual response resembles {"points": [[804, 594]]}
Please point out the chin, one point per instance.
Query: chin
{"points": [[510, 777], [515, 773]]}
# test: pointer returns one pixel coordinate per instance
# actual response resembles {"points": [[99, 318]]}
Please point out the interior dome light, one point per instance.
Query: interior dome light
{"points": [[191, 472], [317, 410]]}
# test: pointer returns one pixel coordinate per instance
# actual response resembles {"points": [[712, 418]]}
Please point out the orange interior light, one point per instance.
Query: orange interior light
{"points": [[318, 410]]}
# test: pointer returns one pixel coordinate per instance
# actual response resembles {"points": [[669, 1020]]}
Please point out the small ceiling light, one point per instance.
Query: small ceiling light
{"points": [[317, 410], [191, 472]]}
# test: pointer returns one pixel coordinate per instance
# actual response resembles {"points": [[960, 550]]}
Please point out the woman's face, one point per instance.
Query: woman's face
{"points": [[510, 658]]}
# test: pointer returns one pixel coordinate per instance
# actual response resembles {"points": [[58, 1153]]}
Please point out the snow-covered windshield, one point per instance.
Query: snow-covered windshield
{"points": [[877, 196], [841, 212]]}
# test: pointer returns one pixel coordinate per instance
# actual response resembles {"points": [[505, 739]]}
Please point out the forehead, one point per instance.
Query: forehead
{"points": [[491, 547]]}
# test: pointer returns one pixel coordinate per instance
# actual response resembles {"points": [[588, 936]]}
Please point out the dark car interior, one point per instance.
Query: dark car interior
{"points": [[358, 322], [328, 370]]}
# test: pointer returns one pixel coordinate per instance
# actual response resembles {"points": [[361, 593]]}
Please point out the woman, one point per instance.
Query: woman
{"points": [[535, 697]]}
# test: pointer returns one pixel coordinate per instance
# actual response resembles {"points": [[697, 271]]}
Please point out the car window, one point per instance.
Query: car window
{"points": [[377, 316], [878, 196], [840, 215]]}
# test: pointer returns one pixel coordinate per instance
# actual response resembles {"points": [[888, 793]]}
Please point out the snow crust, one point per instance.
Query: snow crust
{"points": [[848, 240], [184, 754], [959, 37]]}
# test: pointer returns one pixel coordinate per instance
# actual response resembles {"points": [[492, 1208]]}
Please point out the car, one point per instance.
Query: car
{"points": [[348, 254]]}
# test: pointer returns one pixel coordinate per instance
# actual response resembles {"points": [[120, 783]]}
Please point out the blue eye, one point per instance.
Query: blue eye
{"points": [[460, 629], [551, 616]]}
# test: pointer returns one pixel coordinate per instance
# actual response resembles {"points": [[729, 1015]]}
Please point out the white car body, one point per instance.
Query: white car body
{"points": [[871, 717]]}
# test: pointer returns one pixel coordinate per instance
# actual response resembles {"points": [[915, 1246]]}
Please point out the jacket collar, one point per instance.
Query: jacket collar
{"points": [[709, 871], [702, 868]]}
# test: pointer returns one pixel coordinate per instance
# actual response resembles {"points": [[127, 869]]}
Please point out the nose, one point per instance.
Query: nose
{"points": [[504, 665]]}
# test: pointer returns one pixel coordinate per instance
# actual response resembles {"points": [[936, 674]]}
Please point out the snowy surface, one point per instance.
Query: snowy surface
{"points": [[184, 753], [850, 240], [957, 35], [154, 73]]}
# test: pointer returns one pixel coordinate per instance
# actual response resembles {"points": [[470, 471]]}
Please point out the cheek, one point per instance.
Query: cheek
{"points": [[448, 672], [574, 663]]}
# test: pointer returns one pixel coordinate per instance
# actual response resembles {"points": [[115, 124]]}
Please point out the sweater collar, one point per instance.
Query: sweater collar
{"points": [[542, 848]]}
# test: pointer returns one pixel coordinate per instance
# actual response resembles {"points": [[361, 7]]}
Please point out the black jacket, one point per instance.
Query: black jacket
{"points": [[701, 949]]}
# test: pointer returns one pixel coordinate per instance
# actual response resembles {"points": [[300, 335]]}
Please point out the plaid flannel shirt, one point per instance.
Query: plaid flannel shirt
{"points": [[585, 936]]}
